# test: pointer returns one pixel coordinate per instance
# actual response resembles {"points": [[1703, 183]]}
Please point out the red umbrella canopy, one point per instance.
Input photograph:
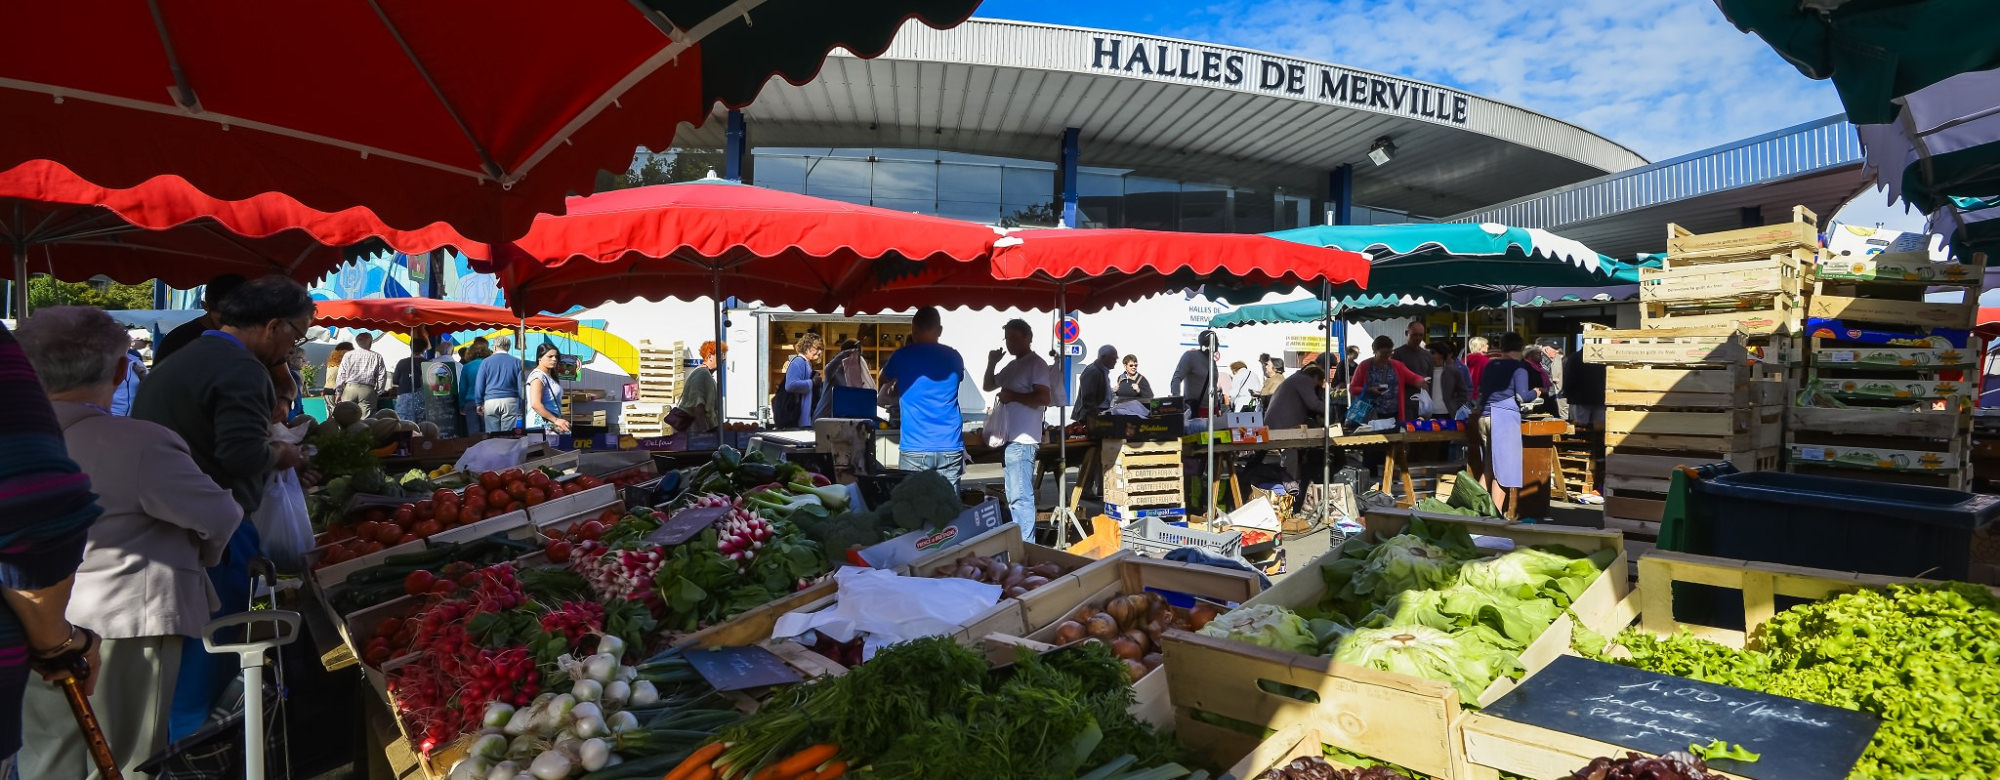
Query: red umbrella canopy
{"points": [[687, 240], [164, 228], [1105, 268], [400, 314], [479, 114]]}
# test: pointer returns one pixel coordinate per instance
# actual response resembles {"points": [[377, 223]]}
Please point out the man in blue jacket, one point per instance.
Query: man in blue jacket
{"points": [[500, 391]]}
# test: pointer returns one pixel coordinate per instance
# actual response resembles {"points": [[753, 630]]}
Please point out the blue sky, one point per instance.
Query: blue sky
{"points": [[1663, 77]]}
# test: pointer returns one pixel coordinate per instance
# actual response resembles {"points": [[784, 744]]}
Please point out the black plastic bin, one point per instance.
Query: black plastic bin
{"points": [[1845, 524]]}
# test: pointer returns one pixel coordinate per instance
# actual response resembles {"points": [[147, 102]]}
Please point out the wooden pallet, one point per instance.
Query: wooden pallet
{"points": [[1886, 445], [1716, 387], [1765, 315], [1779, 273], [1399, 719], [1828, 354], [1686, 247], [1687, 347]]}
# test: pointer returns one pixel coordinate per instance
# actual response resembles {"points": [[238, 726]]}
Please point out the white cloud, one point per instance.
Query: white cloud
{"points": [[1663, 77]]}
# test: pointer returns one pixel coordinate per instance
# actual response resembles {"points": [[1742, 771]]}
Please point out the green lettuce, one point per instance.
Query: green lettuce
{"points": [[1469, 660], [1405, 562], [1516, 621], [1266, 625], [1555, 573]]}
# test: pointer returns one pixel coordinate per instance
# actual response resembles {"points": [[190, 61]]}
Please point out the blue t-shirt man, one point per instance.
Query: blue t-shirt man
{"points": [[924, 378]]}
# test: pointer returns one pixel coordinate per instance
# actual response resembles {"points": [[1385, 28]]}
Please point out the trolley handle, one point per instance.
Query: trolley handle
{"points": [[285, 625]]}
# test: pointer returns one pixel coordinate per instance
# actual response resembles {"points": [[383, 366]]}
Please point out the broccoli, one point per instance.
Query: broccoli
{"points": [[923, 500]]}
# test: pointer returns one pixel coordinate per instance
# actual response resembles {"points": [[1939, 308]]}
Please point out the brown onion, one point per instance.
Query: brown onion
{"points": [[1101, 626], [1119, 610], [1034, 581], [1200, 615], [1140, 608], [1124, 647], [1049, 570], [1136, 669], [1082, 614], [1139, 638], [1157, 601], [1068, 631], [1016, 591], [1152, 660]]}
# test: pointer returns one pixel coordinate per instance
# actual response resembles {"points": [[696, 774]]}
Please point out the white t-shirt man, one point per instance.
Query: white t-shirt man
{"points": [[1020, 422]]}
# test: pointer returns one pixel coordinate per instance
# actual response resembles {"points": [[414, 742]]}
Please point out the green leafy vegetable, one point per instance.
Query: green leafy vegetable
{"points": [[1470, 660], [1719, 749], [1265, 625]]}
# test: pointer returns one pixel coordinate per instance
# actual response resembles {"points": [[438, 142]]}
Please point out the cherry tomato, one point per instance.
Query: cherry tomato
{"points": [[419, 581], [559, 552]]}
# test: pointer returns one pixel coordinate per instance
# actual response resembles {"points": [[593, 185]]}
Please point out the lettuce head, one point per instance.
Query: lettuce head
{"points": [[1266, 625], [1468, 660], [1530, 572], [1515, 622]]}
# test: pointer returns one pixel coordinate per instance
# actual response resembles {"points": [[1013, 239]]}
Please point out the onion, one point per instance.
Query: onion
{"points": [[1152, 660], [1102, 626], [1125, 648], [1068, 631], [622, 721], [491, 747], [600, 667], [944, 571], [1140, 639], [587, 690], [586, 711], [968, 572], [1014, 591], [556, 714], [595, 753], [1119, 611], [497, 714], [616, 693], [1200, 615], [550, 765], [471, 768], [1033, 581], [626, 674], [505, 770], [611, 645], [643, 694], [1136, 669], [1046, 571], [1141, 609]]}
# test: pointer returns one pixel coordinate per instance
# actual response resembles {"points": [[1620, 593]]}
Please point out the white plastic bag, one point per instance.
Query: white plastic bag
{"points": [[282, 522], [886, 608], [496, 454]]}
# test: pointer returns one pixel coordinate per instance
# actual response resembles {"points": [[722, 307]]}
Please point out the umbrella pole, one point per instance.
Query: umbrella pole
{"points": [[1209, 475], [1063, 515], [721, 372], [1326, 408], [20, 281]]}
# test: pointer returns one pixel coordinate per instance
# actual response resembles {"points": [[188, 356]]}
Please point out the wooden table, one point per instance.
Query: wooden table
{"points": [[1395, 465]]}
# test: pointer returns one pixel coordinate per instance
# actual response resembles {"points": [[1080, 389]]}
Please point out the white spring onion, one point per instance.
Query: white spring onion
{"points": [[551, 765], [594, 754], [643, 694], [491, 747], [587, 690], [497, 714], [622, 721], [616, 694], [505, 770]]}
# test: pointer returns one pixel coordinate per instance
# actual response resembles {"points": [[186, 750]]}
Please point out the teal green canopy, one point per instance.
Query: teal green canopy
{"points": [[1428, 255], [1351, 308], [1875, 50]]}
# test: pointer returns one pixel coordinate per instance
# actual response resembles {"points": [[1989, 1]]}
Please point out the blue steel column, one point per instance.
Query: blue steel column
{"points": [[1070, 152], [738, 147], [159, 294], [1340, 194]]}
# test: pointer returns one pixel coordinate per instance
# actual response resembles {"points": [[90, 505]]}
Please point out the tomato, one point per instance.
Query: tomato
{"points": [[590, 530], [407, 538], [442, 495], [537, 478], [419, 581], [610, 516], [333, 555], [535, 497], [444, 587], [457, 569], [587, 481], [517, 489], [510, 475], [474, 505], [369, 548], [388, 533], [559, 552], [404, 513], [489, 480], [424, 529]]}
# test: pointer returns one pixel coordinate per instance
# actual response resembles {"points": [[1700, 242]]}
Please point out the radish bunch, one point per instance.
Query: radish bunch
{"points": [[742, 534], [617, 574]]}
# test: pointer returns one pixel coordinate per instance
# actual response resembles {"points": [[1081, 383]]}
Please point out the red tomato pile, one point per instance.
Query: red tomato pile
{"points": [[629, 477], [496, 493], [563, 542]]}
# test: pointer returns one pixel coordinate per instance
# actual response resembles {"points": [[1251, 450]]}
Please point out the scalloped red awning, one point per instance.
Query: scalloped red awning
{"points": [[686, 240], [400, 314], [166, 229], [479, 114], [1107, 267]]}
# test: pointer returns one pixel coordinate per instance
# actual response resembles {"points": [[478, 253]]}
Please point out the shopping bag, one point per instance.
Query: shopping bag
{"points": [[1359, 411], [282, 522]]}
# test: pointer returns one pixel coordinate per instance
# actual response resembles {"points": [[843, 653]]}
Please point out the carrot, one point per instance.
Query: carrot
{"points": [[831, 771], [807, 760], [702, 772], [769, 773], [699, 758]]}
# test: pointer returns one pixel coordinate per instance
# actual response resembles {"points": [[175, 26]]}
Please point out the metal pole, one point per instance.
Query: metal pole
{"points": [[1326, 408], [1208, 401], [20, 281], [1062, 416], [721, 371]]}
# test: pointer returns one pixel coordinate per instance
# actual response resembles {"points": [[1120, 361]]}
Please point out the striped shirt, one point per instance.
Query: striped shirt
{"points": [[46, 509], [363, 367]]}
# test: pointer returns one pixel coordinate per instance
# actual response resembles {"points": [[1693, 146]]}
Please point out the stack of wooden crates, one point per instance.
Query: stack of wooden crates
{"points": [[662, 368], [1143, 479], [1709, 373], [1906, 371]]}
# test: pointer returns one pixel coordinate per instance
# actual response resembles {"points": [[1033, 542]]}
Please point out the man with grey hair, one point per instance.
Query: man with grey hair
{"points": [[140, 584], [500, 391], [362, 375]]}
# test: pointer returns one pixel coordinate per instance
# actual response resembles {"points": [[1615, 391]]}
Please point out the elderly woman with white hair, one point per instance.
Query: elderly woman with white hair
{"points": [[142, 584]]}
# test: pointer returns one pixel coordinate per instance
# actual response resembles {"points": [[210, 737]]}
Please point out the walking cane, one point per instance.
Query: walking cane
{"points": [[93, 736]]}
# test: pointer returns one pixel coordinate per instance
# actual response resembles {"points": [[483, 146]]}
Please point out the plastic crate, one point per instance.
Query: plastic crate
{"points": [[1155, 536], [1845, 524]]}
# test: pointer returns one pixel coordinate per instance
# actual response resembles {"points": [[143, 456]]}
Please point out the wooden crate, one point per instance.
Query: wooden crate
{"points": [[1403, 720], [1738, 430], [1762, 315], [1782, 273], [1887, 445], [1635, 485], [1830, 355], [1685, 246], [1828, 303], [1493, 745], [1908, 268], [1667, 346], [1729, 386]]}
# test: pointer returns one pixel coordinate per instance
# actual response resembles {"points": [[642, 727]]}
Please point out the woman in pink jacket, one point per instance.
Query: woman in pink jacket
{"points": [[1385, 383]]}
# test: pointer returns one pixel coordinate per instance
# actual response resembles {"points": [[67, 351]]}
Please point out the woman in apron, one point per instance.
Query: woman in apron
{"points": [[1505, 386]]}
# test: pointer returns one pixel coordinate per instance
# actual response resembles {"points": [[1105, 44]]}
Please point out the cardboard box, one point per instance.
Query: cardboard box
{"points": [[1249, 435], [1244, 419], [913, 546]]}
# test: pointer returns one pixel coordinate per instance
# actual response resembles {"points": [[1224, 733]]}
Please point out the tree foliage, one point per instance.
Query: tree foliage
{"points": [[45, 291], [666, 167]]}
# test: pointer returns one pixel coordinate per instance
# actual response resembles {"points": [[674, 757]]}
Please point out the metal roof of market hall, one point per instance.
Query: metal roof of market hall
{"points": [[1178, 109]]}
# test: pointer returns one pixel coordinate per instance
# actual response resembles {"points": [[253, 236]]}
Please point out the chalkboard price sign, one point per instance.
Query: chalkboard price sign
{"points": [[742, 668], [1655, 713]]}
